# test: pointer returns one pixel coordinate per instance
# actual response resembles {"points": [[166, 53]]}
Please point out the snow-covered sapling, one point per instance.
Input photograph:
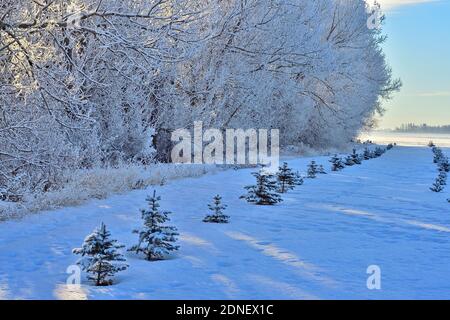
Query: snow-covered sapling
{"points": [[444, 165], [438, 155], [287, 179], [442, 178], [217, 209], [100, 257], [265, 190], [437, 186], [321, 169], [367, 154], [313, 170], [356, 157], [336, 163], [349, 161], [379, 152], [156, 240]]}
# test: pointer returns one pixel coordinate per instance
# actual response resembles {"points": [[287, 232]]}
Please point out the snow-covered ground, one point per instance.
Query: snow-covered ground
{"points": [[317, 244], [412, 139]]}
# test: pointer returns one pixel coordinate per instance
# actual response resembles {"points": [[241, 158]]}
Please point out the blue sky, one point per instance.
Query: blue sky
{"points": [[418, 50]]}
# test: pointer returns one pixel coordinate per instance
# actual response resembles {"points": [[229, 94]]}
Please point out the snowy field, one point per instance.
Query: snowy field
{"points": [[407, 138], [317, 244]]}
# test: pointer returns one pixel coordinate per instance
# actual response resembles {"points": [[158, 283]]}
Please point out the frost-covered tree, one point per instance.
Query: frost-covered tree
{"points": [[349, 161], [437, 186], [367, 154], [156, 240], [100, 257], [287, 179], [444, 165], [356, 157], [265, 190], [91, 83], [442, 178], [313, 170], [82, 83], [321, 169], [438, 155], [379, 152], [336, 163], [217, 209], [440, 183], [312, 68]]}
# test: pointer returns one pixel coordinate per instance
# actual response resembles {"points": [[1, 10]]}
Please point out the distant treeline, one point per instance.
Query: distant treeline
{"points": [[411, 127]]}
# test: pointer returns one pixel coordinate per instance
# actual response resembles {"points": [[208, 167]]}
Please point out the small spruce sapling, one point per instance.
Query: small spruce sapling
{"points": [[321, 170], [336, 163], [265, 190], [217, 208], [437, 186], [313, 170], [349, 161], [444, 165], [367, 154], [100, 257], [287, 179], [442, 178], [156, 240], [356, 157], [379, 152], [438, 155]]}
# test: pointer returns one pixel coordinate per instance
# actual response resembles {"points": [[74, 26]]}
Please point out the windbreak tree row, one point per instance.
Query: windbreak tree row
{"points": [[91, 83]]}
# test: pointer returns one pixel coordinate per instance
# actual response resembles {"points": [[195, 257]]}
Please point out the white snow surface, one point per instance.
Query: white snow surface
{"points": [[316, 244]]}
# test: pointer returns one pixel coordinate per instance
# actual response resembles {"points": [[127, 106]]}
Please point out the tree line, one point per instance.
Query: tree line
{"points": [[92, 83]]}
